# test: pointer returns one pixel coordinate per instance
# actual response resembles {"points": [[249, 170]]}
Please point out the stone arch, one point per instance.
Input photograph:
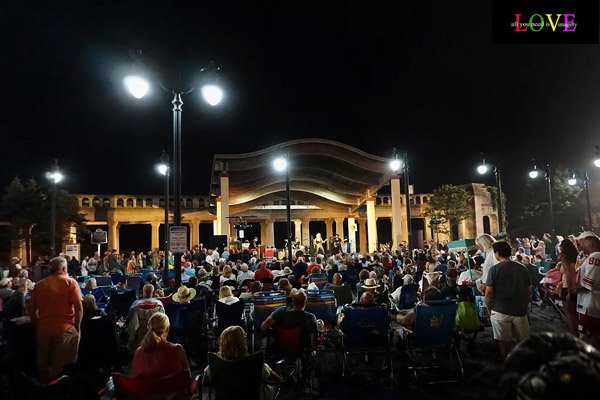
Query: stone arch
{"points": [[148, 202], [85, 202], [418, 199], [139, 202], [129, 202], [120, 202], [386, 200]]}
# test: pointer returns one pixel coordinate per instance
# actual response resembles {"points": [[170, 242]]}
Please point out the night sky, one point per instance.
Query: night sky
{"points": [[423, 77]]}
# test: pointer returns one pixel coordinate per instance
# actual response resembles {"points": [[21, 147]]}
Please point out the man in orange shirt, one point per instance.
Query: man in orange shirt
{"points": [[55, 310]]}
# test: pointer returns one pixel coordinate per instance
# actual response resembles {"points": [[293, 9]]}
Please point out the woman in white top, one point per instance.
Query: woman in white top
{"points": [[485, 243], [227, 274], [226, 297]]}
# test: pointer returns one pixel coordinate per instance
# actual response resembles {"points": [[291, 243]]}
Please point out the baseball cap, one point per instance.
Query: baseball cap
{"points": [[587, 234]]}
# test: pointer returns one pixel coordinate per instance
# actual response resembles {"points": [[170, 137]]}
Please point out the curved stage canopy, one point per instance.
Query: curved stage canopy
{"points": [[321, 172]]}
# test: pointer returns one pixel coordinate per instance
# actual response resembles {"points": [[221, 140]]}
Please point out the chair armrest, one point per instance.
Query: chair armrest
{"points": [[196, 383]]}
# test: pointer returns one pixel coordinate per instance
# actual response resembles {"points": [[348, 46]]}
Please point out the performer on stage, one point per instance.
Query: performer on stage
{"points": [[318, 244], [253, 245], [336, 244]]}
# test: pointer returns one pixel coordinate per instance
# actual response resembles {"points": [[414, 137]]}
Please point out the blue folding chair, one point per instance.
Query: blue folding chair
{"points": [[351, 278], [104, 281], [322, 304], [134, 282], [114, 279], [145, 272], [264, 304], [408, 296], [434, 332], [366, 332], [318, 279]]}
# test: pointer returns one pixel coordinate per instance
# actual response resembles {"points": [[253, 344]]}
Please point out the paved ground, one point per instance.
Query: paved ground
{"points": [[482, 363]]}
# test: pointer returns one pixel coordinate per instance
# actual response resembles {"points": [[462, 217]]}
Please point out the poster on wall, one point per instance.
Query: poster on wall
{"points": [[72, 250]]}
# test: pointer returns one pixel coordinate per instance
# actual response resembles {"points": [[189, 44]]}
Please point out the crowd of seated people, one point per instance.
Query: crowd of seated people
{"points": [[362, 279]]}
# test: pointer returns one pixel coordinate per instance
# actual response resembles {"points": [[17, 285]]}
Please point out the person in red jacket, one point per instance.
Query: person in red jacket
{"points": [[262, 272]]}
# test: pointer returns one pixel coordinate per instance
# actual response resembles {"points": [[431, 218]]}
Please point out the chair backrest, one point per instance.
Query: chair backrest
{"points": [[177, 383], [343, 294], [165, 300], [85, 292], [232, 283], [229, 315], [434, 323], [114, 278], [408, 296], [99, 341], [144, 272], [120, 302], [142, 314], [289, 341], [351, 277], [322, 304], [134, 282], [267, 303], [318, 279], [247, 372], [185, 318], [103, 281], [366, 326], [246, 283]]}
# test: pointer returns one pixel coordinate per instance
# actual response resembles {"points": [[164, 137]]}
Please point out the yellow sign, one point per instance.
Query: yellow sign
{"points": [[353, 228]]}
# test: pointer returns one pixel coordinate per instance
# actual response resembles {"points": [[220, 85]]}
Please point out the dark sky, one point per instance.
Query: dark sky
{"points": [[420, 76]]}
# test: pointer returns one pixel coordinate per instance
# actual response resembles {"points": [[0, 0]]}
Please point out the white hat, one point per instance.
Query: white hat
{"points": [[587, 234], [5, 281]]}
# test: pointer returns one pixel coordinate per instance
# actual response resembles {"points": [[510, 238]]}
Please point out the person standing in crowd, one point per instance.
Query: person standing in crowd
{"points": [[507, 295], [485, 243], [548, 246], [527, 246], [587, 287], [568, 257], [92, 264], [113, 263], [56, 312]]}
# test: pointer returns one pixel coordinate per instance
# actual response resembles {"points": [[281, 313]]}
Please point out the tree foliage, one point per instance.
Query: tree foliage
{"points": [[25, 206], [450, 204], [532, 214]]}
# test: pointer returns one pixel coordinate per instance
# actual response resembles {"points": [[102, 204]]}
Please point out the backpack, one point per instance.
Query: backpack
{"points": [[467, 319]]}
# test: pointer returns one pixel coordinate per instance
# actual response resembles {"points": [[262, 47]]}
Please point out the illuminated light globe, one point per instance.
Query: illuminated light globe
{"points": [[482, 169], [280, 164], [533, 174], [137, 86], [55, 177], [162, 169], [572, 181], [212, 94], [597, 162], [395, 164]]}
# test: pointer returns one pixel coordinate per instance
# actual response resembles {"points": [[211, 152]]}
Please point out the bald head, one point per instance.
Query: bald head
{"points": [[148, 291], [299, 301], [367, 298]]}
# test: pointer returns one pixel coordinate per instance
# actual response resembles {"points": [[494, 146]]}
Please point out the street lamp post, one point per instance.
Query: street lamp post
{"points": [[482, 169], [586, 184], [213, 95], [533, 174], [55, 177], [163, 169], [395, 166], [280, 164]]}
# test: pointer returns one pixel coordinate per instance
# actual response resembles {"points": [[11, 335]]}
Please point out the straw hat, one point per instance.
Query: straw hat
{"points": [[184, 294], [370, 283], [5, 281], [287, 271]]}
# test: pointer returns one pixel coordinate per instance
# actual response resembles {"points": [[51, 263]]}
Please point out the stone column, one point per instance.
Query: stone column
{"points": [[362, 224], [263, 232], [352, 232], [194, 224], [371, 224], [297, 230], [224, 184], [219, 216], [154, 242], [396, 213], [215, 226], [305, 232], [329, 231], [339, 227], [113, 235], [427, 233], [270, 233]]}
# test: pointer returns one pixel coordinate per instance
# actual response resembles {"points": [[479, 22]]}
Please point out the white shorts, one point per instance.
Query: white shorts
{"points": [[508, 328]]}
